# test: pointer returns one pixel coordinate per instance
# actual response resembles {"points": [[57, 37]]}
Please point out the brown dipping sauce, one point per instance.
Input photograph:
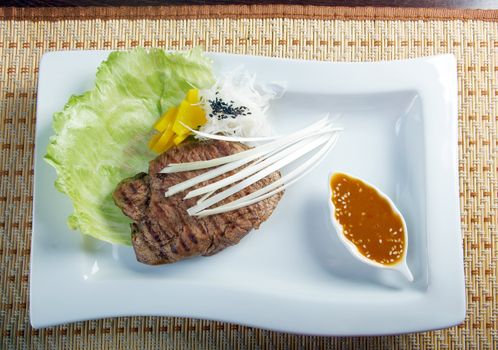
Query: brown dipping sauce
{"points": [[368, 220]]}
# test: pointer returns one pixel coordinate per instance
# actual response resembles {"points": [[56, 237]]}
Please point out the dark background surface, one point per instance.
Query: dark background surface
{"points": [[482, 4]]}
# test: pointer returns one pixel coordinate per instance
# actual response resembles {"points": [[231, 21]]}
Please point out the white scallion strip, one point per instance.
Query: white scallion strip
{"points": [[299, 172], [178, 167], [206, 196], [256, 163], [261, 150], [310, 146], [259, 156], [248, 170], [276, 186], [229, 138], [182, 186]]}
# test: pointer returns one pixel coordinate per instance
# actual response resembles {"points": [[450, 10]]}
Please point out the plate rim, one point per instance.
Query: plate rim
{"points": [[446, 66]]}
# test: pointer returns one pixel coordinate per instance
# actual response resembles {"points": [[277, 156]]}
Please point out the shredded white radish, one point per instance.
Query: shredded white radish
{"points": [[237, 105], [256, 163]]}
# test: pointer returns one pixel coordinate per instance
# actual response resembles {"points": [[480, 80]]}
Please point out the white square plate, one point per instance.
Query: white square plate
{"points": [[400, 133]]}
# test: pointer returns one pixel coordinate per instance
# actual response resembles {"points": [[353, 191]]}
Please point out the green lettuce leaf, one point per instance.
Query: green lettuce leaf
{"points": [[101, 136]]}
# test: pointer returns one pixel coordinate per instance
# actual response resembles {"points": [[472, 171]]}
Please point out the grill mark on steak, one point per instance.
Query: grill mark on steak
{"points": [[133, 188], [152, 233], [183, 244], [150, 253], [203, 229], [182, 219], [173, 248], [220, 223], [135, 201], [216, 224], [126, 199], [164, 212], [187, 229], [192, 238], [163, 231], [210, 228]]}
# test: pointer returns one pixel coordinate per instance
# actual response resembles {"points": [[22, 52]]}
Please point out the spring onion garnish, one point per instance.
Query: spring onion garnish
{"points": [[306, 132], [276, 186], [255, 163], [205, 135]]}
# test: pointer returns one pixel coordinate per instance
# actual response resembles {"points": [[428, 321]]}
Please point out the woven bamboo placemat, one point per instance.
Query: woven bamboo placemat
{"points": [[321, 33]]}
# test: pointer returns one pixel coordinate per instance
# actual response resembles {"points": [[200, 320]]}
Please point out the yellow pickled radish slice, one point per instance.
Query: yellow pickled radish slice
{"points": [[179, 139], [193, 96], [153, 140], [166, 147], [192, 116], [164, 142], [172, 130], [183, 110], [166, 119]]}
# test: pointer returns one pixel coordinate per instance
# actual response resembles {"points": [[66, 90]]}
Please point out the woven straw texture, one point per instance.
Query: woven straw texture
{"points": [[319, 33]]}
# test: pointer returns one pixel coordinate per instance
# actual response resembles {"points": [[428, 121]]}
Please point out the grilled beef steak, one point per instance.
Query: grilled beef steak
{"points": [[162, 231]]}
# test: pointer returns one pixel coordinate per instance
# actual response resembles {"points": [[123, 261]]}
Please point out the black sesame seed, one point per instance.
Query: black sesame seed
{"points": [[222, 110]]}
